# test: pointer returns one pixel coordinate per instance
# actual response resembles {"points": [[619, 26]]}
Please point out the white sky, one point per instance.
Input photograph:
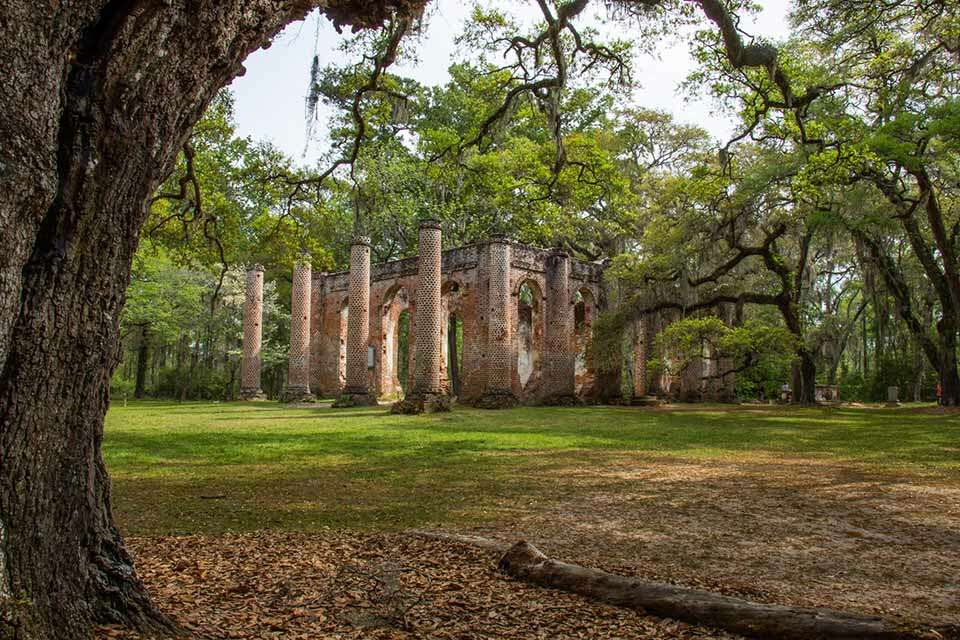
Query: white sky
{"points": [[270, 97]]}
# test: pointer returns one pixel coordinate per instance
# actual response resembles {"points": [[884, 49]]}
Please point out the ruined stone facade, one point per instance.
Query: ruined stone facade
{"points": [[494, 324], [473, 291]]}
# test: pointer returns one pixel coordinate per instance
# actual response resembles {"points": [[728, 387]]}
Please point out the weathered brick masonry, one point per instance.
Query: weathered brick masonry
{"points": [[298, 372], [252, 336], [479, 286], [526, 316]]}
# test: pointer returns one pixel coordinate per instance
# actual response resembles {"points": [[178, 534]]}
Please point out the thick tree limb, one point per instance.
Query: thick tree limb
{"points": [[525, 562]]}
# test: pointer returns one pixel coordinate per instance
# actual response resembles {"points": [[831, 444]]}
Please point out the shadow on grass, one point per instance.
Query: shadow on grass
{"points": [[257, 436], [367, 468]]}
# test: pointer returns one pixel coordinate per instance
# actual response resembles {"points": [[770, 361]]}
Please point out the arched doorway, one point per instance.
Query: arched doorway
{"points": [[452, 343], [343, 316], [584, 311], [529, 334], [395, 342]]}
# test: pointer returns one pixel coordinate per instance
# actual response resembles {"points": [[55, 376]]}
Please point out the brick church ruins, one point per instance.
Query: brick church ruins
{"points": [[493, 324]]}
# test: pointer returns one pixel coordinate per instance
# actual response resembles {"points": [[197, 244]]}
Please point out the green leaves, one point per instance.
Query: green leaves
{"points": [[754, 344]]}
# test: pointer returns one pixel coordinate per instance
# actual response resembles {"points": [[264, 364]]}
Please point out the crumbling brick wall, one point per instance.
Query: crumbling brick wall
{"points": [[530, 347], [466, 293]]}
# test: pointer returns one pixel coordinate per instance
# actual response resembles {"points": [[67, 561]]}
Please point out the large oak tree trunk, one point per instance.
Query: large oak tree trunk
{"points": [[948, 372], [805, 382], [96, 99]]}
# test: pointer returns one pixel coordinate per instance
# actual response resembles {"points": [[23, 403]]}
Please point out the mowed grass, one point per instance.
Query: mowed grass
{"points": [[210, 468]]}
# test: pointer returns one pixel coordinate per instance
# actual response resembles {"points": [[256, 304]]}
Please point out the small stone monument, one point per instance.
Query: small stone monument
{"points": [[893, 396]]}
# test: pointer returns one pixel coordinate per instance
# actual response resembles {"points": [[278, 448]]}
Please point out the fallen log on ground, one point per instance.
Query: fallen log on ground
{"points": [[525, 562]]}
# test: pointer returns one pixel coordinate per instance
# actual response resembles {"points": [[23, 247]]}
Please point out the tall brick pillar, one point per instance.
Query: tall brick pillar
{"points": [[559, 360], [298, 372], [357, 388], [427, 393], [252, 336], [499, 356], [428, 322]]}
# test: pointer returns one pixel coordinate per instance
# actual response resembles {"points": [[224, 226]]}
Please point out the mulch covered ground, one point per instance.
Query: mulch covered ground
{"points": [[332, 584], [806, 533], [794, 532]]}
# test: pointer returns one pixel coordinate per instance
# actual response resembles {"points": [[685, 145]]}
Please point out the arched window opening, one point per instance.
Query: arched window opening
{"points": [[579, 313], [342, 347], [583, 311], [454, 353], [528, 333], [402, 352], [451, 367], [395, 351]]}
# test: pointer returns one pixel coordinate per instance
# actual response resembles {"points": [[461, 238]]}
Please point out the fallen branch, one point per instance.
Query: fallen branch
{"points": [[525, 562]]}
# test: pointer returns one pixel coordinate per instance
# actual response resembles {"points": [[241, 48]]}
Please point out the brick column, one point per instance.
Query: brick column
{"points": [[298, 372], [427, 394], [357, 388], [428, 328], [558, 357], [499, 361], [252, 336]]}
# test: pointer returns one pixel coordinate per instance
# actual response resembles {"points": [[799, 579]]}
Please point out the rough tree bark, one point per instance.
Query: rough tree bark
{"points": [[96, 99], [805, 382], [948, 371]]}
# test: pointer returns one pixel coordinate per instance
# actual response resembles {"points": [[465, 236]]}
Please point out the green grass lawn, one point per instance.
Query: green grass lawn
{"points": [[190, 467]]}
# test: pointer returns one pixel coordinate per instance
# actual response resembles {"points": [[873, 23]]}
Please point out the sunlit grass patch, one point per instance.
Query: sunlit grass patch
{"points": [[213, 467]]}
